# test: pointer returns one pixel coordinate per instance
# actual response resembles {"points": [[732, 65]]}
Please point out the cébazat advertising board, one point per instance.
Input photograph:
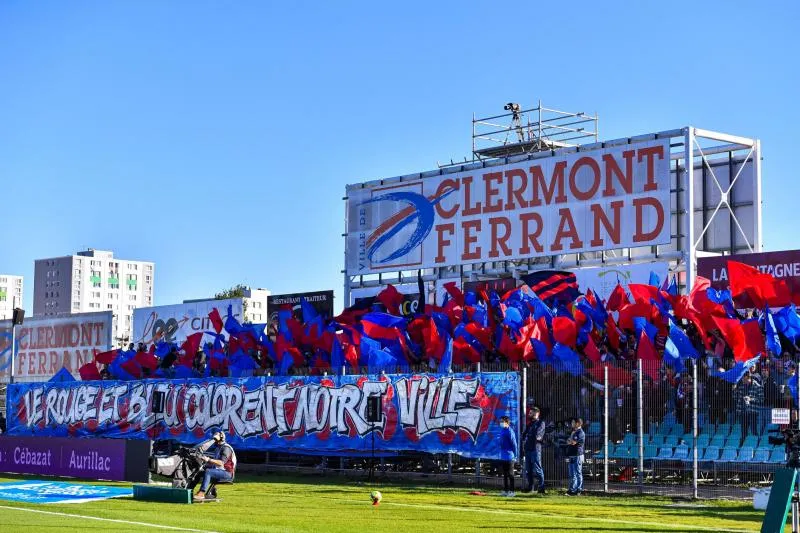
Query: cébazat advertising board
{"points": [[46, 344], [173, 323], [616, 197]]}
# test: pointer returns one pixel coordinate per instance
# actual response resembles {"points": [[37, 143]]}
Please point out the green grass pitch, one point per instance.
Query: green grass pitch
{"points": [[277, 503]]}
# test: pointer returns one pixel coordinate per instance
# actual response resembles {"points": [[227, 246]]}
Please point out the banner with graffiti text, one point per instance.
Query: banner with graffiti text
{"points": [[327, 415]]}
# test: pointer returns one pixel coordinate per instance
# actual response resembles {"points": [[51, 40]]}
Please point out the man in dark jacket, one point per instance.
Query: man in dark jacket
{"points": [[532, 440], [749, 397], [575, 445]]}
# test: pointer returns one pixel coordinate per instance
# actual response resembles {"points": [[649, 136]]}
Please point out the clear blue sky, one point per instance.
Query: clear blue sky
{"points": [[216, 138]]}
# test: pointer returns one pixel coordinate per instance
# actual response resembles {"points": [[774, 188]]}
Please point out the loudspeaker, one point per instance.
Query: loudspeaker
{"points": [[374, 411], [18, 316], [159, 398]]}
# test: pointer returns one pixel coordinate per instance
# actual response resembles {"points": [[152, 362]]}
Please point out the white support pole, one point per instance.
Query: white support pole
{"points": [[689, 248], [758, 246], [13, 350], [605, 428], [640, 418], [695, 416]]}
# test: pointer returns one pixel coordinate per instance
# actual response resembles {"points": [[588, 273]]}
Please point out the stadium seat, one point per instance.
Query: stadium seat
{"points": [[620, 451], [665, 428], [630, 440], [750, 441], [687, 437], [672, 440], [777, 456], [736, 429], [745, 454], [711, 454], [653, 428], [703, 440], [761, 455], [733, 441], [677, 429], [681, 453], [764, 442], [723, 429], [664, 453], [594, 428], [729, 454], [718, 441], [657, 440], [650, 451]]}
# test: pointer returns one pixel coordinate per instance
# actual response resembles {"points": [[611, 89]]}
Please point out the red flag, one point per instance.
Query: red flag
{"points": [[591, 298], [592, 352], [147, 360], [745, 339], [629, 311], [647, 353], [612, 332], [391, 299], [132, 367], [617, 299], [564, 331], [106, 358], [763, 289], [89, 372], [454, 292], [483, 335], [192, 343], [464, 352], [616, 376], [186, 360], [216, 320], [643, 293]]}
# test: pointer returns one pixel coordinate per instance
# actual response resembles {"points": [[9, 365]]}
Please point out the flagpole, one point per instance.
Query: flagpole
{"points": [[641, 427]]}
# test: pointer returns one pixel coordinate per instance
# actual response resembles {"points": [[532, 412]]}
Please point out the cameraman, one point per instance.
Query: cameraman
{"points": [[220, 466], [749, 397]]}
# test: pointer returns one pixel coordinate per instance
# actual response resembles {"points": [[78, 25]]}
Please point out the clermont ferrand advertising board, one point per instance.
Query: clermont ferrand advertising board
{"points": [[616, 197]]}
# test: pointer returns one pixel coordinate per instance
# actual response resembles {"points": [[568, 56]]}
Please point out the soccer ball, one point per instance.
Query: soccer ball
{"points": [[376, 497]]}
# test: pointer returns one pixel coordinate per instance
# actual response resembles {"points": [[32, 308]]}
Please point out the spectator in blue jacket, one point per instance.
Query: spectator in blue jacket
{"points": [[508, 455], [575, 453]]}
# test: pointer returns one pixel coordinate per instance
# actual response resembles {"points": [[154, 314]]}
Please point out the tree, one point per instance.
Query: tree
{"points": [[237, 291]]}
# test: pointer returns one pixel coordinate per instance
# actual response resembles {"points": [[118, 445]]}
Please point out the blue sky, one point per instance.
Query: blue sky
{"points": [[216, 138]]}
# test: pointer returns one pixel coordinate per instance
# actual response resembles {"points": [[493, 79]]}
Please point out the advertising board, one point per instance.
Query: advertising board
{"points": [[173, 323], [46, 344], [608, 198], [784, 264]]}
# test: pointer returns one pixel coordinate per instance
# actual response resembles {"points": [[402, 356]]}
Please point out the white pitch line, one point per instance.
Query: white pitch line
{"points": [[576, 518], [130, 522]]}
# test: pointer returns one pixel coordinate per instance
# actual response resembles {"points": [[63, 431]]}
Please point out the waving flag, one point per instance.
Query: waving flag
{"points": [[567, 360], [745, 338], [391, 299], [761, 288], [553, 285], [382, 325], [735, 374], [773, 341], [89, 372], [216, 320]]}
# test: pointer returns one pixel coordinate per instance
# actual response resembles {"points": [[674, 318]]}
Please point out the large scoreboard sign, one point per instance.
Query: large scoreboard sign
{"points": [[602, 199]]}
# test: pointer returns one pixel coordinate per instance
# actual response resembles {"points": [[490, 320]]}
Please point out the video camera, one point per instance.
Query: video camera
{"points": [[791, 439]]}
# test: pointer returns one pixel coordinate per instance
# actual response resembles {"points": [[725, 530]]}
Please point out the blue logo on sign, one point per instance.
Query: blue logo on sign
{"points": [[417, 209]]}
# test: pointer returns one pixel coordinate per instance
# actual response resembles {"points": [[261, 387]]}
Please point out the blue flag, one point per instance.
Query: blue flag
{"points": [[446, 364], [337, 356], [567, 360], [735, 374], [654, 280], [672, 356], [650, 330], [286, 364], [309, 313], [773, 341], [381, 360], [787, 322], [682, 343]]}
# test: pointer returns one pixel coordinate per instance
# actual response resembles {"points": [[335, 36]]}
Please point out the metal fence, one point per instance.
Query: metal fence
{"points": [[648, 429]]}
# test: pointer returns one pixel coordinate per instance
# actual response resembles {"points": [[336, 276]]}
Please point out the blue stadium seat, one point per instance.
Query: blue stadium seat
{"points": [[620, 452], [745, 454], [594, 428], [733, 441], [729, 454], [681, 453], [718, 441], [764, 442], [777, 456], [650, 451], [657, 440], [703, 440], [665, 453], [677, 429], [630, 439], [665, 428], [723, 429], [687, 437], [711, 454], [671, 440], [736, 429], [750, 441], [761, 455]]}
